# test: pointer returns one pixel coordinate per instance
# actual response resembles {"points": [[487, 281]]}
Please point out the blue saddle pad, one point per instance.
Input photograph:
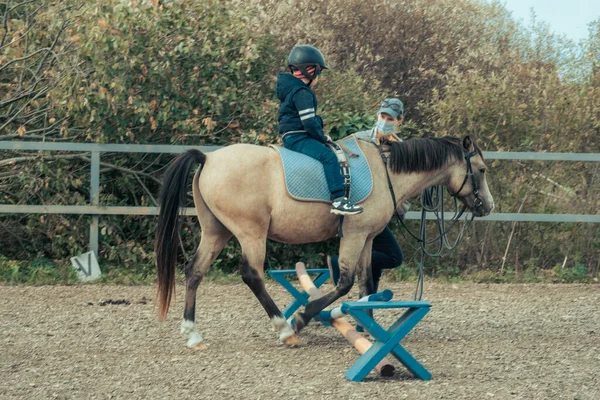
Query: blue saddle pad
{"points": [[305, 178]]}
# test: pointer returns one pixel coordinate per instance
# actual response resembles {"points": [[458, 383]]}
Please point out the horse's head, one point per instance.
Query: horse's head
{"points": [[468, 180], [457, 164]]}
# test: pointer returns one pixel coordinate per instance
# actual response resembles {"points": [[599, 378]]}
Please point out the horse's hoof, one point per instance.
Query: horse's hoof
{"points": [[291, 341], [196, 342], [299, 322], [199, 347]]}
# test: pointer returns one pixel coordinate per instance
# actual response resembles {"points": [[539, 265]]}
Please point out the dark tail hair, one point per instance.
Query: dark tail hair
{"points": [[172, 199]]}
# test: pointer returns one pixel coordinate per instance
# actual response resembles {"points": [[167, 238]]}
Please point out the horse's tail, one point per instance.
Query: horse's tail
{"points": [[172, 199]]}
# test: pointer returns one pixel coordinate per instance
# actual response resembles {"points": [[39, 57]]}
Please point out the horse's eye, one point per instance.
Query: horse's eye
{"points": [[482, 170]]}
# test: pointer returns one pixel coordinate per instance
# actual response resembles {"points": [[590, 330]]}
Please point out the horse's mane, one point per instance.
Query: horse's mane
{"points": [[426, 154]]}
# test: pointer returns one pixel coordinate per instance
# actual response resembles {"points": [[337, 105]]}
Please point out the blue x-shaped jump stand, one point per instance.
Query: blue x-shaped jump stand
{"points": [[300, 297], [387, 340]]}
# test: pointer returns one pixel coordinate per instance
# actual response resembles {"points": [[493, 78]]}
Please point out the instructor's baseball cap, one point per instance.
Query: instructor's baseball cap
{"points": [[393, 107]]}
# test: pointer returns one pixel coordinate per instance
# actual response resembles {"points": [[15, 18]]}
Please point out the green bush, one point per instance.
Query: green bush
{"points": [[38, 271], [578, 273], [204, 72]]}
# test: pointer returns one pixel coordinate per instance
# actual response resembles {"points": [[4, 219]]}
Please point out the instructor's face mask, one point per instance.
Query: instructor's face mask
{"points": [[385, 127]]}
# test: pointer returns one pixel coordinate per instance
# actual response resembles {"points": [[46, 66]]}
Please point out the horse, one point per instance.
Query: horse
{"points": [[239, 191]]}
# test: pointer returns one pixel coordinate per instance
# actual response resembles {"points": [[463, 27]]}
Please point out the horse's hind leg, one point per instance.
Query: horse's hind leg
{"points": [[253, 258], [214, 238]]}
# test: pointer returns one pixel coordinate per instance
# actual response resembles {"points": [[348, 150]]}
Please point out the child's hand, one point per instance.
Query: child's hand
{"points": [[328, 138]]}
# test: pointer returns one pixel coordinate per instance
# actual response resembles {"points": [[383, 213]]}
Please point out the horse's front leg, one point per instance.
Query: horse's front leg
{"points": [[366, 285], [350, 252]]}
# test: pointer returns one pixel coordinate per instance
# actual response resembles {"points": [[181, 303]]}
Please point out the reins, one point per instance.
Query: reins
{"points": [[432, 200]]}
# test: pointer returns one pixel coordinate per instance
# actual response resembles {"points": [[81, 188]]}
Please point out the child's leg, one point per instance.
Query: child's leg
{"points": [[319, 151]]}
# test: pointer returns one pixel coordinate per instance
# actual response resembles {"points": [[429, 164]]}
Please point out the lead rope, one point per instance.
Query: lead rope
{"points": [[420, 280]]}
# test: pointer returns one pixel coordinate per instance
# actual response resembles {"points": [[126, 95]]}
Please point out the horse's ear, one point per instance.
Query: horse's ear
{"points": [[468, 143]]}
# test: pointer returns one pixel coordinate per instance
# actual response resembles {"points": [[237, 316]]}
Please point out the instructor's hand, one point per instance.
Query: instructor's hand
{"points": [[328, 138]]}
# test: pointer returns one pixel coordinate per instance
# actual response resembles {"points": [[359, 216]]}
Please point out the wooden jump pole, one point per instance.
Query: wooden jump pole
{"points": [[384, 368]]}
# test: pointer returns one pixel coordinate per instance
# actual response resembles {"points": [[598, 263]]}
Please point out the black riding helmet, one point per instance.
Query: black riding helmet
{"points": [[304, 56]]}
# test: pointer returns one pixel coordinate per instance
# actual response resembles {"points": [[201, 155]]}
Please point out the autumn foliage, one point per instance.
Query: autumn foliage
{"points": [[203, 72]]}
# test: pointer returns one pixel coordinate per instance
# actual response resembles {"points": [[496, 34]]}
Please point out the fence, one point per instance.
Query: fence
{"points": [[96, 210]]}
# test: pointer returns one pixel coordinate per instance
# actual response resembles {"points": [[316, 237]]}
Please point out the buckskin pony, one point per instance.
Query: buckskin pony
{"points": [[239, 191]]}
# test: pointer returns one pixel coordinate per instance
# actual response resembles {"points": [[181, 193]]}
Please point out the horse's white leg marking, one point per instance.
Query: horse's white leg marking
{"points": [[189, 328], [283, 327]]}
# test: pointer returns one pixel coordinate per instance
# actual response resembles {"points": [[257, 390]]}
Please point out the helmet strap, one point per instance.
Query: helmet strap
{"points": [[305, 73]]}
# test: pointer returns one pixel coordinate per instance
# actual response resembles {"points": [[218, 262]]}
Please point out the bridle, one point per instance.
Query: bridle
{"points": [[469, 173], [478, 202], [432, 199]]}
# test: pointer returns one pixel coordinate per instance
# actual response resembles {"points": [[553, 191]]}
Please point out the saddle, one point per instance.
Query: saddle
{"points": [[305, 177]]}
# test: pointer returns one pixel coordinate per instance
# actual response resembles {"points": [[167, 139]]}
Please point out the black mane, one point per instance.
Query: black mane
{"points": [[426, 154]]}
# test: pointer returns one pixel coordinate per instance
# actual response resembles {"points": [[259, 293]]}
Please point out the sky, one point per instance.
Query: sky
{"points": [[568, 17]]}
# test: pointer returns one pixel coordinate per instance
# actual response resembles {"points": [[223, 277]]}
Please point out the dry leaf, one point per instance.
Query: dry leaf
{"points": [[102, 24], [209, 123]]}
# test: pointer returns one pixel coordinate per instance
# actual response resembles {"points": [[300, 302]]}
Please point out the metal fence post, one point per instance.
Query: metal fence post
{"points": [[94, 199]]}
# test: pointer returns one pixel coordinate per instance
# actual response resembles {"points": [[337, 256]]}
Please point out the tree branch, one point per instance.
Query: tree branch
{"points": [[148, 192], [23, 58], [22, 108], [17, 160], [29, 28], [570, 192], [10, 174], [33, 137], [5, 25], [514, 225], [123, 169], [51, 49], [19, 97], [20, 4]]}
